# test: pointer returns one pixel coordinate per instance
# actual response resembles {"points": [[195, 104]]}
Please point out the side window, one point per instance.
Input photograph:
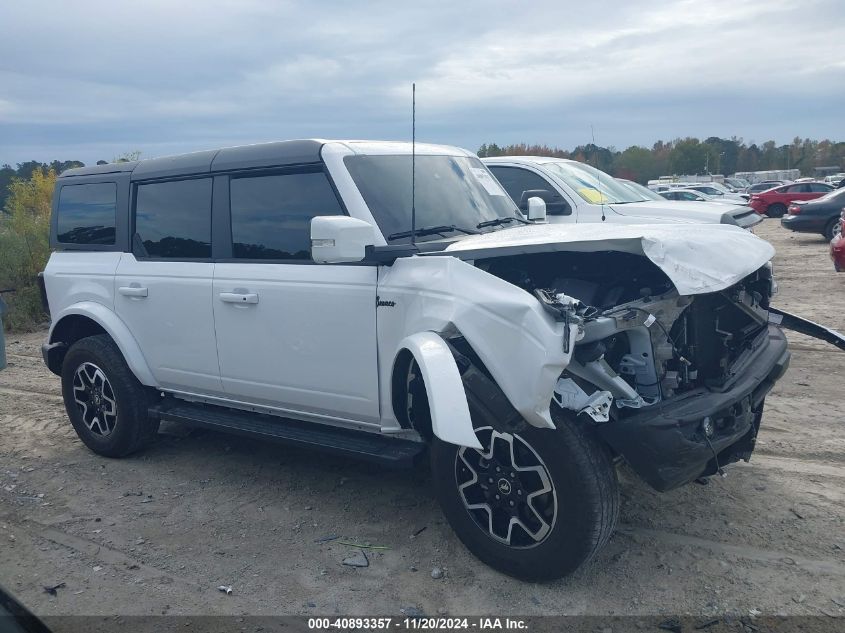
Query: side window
{"points": [[271, 215], [817, 187], [86, 214], [516, 180], [173, 219], [801, 188]]}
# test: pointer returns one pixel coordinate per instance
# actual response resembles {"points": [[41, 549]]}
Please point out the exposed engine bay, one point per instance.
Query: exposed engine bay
{"points": [[639, 342]]}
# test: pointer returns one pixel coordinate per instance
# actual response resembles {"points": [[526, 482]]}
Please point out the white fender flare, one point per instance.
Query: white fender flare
{"points": [[119, 333], [447, 400]]}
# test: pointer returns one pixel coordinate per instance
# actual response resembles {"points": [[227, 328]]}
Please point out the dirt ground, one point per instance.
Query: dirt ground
{"points": [[158, 532]]}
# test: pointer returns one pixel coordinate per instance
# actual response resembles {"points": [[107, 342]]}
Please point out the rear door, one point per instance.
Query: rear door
{"points": [[800, 191], [163, 287], [292, 335]]}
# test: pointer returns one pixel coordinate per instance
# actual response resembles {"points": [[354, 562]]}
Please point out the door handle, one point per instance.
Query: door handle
{"points": [[237, 297], [133, 291]]}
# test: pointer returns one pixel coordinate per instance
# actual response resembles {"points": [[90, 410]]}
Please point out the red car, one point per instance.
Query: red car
{"points": [[837, 247], [775, 201]]}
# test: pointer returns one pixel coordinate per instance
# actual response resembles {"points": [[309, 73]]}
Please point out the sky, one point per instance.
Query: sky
{"points": [[90, 79]]}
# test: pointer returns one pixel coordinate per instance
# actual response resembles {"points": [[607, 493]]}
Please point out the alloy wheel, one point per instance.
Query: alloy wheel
{"points": [[507, 489], [95, 398]]}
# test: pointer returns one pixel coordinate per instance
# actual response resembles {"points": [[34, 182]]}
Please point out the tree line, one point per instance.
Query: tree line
{"points": [[690, 156], [24, 171]]}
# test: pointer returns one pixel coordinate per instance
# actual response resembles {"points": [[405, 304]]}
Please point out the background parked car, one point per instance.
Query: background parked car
{"points": [[575, 192], [774, 202], [822, 215], [718, 191], [739, 185], [757, 187], [693, 195]]}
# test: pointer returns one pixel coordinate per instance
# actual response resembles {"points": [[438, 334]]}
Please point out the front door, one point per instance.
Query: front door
{"points": [[293, 335]]}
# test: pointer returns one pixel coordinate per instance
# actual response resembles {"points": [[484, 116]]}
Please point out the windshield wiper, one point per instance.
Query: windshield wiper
{"points": [[431, 230], [499, 221]]}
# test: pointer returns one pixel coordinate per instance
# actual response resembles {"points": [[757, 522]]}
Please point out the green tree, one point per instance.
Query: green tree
{"points": [[24, 246], [690, 156], [636, 163]]}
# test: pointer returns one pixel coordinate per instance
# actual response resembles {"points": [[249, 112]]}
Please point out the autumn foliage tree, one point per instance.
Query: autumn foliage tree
{"points": [[24, 246]]}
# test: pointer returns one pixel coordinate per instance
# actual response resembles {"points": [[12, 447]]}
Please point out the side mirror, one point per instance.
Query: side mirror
{"points": [[536, 209], [555, 204], [338, 238]]}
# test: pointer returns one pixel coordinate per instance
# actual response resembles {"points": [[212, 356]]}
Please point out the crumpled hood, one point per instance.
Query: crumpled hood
{"points": [[698, 260]]}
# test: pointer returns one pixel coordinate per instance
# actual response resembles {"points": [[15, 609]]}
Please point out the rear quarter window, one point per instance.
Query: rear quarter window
{"points": [[87, 214]]}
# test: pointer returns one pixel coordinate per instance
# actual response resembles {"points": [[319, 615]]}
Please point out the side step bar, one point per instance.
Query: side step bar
{"points": [[393, 452], [797, 324]]}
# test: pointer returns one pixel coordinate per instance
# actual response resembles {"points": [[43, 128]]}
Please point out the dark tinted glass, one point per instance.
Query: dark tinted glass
{"points": [[516, 180], [817, 187], [173, 219], [271, 215], [450, 190], [86, 214], [800, 188]]}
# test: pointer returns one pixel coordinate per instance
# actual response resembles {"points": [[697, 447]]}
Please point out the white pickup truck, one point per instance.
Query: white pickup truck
{"points": [[576, 192]]}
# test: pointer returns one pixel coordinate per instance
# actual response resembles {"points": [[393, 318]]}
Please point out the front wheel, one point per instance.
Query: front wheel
{"points": [[536, 504]]}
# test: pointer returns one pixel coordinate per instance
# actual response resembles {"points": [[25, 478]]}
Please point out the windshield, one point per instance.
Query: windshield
{"points": [[594, 186], [720, 187], [644, 192], [450, 191]]}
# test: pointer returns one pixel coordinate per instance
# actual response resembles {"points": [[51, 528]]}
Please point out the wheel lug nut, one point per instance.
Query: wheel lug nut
{"points": [[490, 480], [498, 470], [512, 504], [519, 492], [497, 497]]}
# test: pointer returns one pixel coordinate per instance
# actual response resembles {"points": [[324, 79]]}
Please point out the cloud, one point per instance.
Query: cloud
{"points": [[92, 80]]}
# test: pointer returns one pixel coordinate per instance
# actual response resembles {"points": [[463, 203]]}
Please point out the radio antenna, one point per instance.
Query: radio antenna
{"points": [[413, 163], [596, 166]]}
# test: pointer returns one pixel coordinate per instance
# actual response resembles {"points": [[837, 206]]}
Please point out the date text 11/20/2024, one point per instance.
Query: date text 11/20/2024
{"points": [[417, 623]]}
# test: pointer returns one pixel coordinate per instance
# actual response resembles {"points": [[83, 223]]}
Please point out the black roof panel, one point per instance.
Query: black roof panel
{"points": [[93, 170], [179, 165], [267, 155], [275, 154]]}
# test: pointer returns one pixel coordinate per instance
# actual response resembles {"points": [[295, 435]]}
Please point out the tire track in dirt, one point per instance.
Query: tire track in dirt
{"points": [[23, 391], [58, 427], [743, 551], [794, 464]]}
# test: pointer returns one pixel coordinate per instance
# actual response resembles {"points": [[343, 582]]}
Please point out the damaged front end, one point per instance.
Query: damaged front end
{"points": [[674, 384]]}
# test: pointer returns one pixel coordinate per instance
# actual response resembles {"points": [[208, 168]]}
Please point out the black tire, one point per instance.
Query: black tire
{"points": [[585, 489], [115, 389], [830, 228], [776, 210]]}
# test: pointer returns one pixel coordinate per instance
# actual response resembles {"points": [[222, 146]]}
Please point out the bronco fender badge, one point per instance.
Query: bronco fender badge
{"points": [[381, 303]]}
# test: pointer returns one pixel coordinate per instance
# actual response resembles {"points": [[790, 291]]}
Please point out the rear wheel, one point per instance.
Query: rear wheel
{"points": [[832, 228], [536, 504], [106, 404], [776, 210]]}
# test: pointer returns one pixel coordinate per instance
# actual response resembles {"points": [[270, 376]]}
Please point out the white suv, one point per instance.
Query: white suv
{"points": [[277, 291], [575, 192]]}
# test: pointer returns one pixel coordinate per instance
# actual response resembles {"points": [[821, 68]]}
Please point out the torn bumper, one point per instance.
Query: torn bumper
{"points": [[666, 444]]}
